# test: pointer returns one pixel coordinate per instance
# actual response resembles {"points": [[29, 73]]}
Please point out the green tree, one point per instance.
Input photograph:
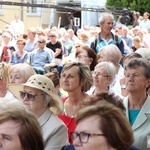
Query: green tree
{"points": [[134, 5]]}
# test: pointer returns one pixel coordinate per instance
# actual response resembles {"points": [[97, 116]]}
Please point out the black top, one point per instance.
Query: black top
{"points": [[54, 46]]}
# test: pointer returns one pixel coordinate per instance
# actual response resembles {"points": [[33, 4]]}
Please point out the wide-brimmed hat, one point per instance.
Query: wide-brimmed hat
{"points": [[42, 83]]}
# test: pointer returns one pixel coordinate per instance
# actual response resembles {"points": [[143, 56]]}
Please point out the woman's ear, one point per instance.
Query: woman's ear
{"points": [[110, 80], [148, 83], [91, 60]]}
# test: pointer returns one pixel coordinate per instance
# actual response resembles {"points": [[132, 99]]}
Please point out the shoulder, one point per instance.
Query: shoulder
{"points": [[68, 147]]}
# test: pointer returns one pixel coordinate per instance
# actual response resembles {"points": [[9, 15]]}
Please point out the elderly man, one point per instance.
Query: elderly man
{"points": [[106, 37]]}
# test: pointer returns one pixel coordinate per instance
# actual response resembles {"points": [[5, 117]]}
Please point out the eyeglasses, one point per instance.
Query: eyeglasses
{"points": [[99, 75], [77, 46], [81, 56], [30, 97], [41, 42], [52, 36], [20, 44], [83, 136]]}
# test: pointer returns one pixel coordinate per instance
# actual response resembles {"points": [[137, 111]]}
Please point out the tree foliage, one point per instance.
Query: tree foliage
{"points": [[134, 5]]}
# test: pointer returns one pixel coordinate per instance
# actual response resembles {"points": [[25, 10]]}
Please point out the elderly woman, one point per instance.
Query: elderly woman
{"points": [[102, 127], [137, 103], [103, 76], [111, 53], [76, 79], [19, 73], [19, 128], [4, 79], [19, 56], [38, 96], [87, 56]]}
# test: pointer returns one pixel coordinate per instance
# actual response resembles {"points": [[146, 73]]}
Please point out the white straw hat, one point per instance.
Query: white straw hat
{"points": [[42, 83]]}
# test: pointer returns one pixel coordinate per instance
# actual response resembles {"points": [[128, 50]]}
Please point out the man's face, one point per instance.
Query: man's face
{"points": [[107, 25]]}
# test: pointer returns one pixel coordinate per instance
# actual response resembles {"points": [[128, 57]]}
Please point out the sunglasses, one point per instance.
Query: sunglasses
{"points": [[41, 42], [52, 36], [30, 97]]}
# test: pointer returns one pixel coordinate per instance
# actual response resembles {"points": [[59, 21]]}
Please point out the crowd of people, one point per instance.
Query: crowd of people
{"points": [[62, 90]]}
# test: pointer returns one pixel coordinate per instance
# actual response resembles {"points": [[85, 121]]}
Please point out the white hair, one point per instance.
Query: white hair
{"points": [[104, 15]]}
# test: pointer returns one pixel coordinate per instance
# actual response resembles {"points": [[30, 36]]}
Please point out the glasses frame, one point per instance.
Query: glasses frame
{"points": [[85, 134], [99, 75], [30, 97], [52, 36], [41, 42], [82, 56]]}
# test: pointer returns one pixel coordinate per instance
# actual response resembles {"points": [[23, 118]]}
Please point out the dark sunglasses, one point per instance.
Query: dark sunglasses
{"points": [[30, 97], [52, 36], [41, 42]]}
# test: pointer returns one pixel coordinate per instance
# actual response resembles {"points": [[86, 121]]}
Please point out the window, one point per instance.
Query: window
{"points": [[35, 11], [1, 10]]}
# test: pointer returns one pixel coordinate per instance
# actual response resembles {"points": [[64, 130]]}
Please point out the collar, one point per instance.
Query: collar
{"points": [[44, 117]]}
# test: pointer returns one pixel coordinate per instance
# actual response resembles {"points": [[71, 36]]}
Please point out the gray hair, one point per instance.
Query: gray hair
{"points": [[144, 52], [139, 62], [25, 70], [113, 53], [109, 68], [104, 15]]}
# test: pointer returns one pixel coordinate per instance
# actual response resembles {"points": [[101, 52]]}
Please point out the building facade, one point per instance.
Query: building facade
{"points": [[65, 13]]}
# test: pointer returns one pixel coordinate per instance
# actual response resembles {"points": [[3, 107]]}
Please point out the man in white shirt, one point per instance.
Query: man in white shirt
{"points": [[145, 23], [17, 26]]}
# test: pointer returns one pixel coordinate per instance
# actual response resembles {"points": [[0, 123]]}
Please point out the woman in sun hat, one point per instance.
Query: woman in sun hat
{"points": [[38, 96]]}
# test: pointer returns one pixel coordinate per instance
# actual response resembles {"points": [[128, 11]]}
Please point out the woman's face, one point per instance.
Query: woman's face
{"points": [[70, 80], [95, 142], [84, 58], [101, 78], [9, 138], [33, 100], [20, 45], [135, 80], [15, 77]]}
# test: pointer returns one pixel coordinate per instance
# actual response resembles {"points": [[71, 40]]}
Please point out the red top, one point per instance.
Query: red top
{"points": [[70, 122]]}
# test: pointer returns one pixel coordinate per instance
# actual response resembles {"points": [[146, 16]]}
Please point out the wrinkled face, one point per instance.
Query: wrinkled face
{"points": [[107, 25], [94, 142], [135, 80], [70, 80], [9, 139], [16, 77], [33, 100], [101, 79], [84, 58]]}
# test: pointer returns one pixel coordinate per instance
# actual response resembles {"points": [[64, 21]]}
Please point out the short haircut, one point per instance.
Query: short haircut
{"points": [[21, 40], [84, 73], [104, 15], [112, 122], [139, 62], [108, 67], [113, 53], [29, 130], [91, 54], [24, 70]]}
